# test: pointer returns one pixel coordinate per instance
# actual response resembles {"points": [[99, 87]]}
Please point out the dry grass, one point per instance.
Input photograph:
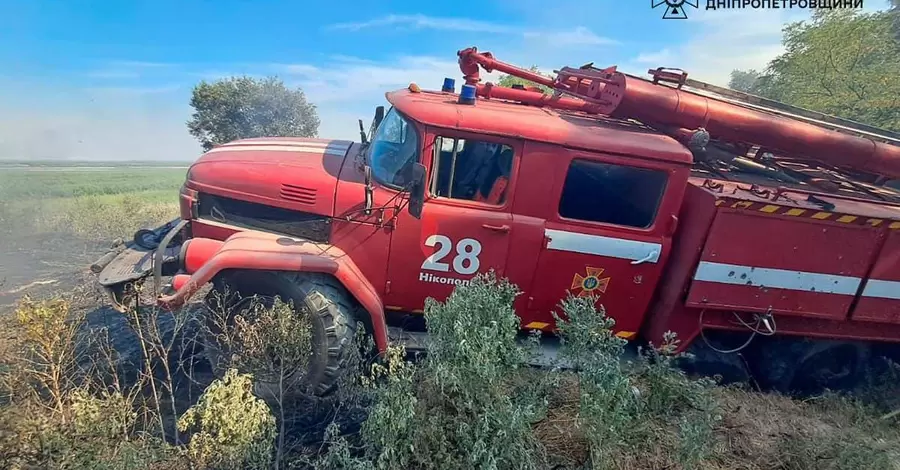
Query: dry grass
{"points": [[560, 432], [759, 431]]}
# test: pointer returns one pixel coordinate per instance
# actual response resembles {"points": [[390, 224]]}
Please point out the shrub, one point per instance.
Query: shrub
{"points": [[670, 396], [233, 428], [50, 338], [608, 406], [630, 411], [111, 416], [466, 405], [63, 425], [273, 342]]}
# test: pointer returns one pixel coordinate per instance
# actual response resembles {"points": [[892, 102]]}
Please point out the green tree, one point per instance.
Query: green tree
{"points": [[244, 107], [510, 80], [746, 81], [839, 62]]}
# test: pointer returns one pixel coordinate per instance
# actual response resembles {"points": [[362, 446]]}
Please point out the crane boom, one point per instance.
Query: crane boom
{"points": [[676, 105]]}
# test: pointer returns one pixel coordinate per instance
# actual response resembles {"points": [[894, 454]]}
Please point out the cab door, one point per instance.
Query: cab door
{"points": [[607, 235], [465, 226]]}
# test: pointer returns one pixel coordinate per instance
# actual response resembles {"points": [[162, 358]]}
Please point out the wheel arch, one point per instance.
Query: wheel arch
{"points": [[267, 252]]}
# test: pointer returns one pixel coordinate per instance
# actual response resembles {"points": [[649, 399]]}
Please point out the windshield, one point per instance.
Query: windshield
{"points": [[394, 148]]}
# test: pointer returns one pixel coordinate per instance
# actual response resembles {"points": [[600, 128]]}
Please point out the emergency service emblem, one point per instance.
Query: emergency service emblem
{"points": [[675, 8], [590, 283]]}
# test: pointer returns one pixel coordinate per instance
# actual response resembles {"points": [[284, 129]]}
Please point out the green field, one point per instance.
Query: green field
{"points": [[87, 164], [96, 203]]}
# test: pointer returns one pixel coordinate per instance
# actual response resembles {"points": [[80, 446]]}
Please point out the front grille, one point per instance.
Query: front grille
{"points": [[266, 218], [292, 192]]}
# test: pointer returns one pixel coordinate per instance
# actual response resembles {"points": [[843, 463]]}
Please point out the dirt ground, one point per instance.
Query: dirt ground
{"points": [[39, 265]]}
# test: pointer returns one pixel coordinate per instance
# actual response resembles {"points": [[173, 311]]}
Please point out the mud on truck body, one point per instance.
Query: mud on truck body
{"points": [[738, 223]]}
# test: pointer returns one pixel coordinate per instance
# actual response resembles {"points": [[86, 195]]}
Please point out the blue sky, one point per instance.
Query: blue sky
{"points": [[111, 79]]}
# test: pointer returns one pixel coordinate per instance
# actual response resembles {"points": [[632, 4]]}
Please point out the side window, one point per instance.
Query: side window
{"points": [[471, 169], [613, 194]]}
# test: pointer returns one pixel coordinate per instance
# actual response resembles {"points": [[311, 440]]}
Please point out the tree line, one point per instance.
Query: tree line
{"points": [[840, 62]]}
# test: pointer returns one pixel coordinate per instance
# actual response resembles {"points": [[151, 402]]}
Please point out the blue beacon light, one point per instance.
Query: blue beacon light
{"points": [[449, 85], [467, 94]]}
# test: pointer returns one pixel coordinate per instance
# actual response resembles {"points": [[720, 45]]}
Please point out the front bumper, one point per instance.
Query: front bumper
{"points": [[126, 266]]}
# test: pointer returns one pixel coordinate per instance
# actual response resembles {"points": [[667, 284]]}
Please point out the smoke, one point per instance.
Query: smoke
{"points": [[95, 124]]}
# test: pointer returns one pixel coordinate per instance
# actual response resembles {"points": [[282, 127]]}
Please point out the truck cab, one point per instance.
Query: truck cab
{"points": [[554, 202]]}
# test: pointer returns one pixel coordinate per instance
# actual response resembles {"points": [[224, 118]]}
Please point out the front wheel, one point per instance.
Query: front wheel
{"points": [[319, 298]]}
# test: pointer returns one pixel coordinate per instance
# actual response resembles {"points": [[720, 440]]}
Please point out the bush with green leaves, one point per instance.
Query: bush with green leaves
{"points": [[609, 406], [51, 333], [670, 396], [623, 408], [466, 405], [232, 428]]}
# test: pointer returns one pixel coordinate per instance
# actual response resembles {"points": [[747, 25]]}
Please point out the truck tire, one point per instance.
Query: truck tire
{"points": [[804, 367], [332, 312]]}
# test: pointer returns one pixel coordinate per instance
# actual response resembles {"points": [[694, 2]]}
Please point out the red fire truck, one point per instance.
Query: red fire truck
{"points": [[739, 223]]}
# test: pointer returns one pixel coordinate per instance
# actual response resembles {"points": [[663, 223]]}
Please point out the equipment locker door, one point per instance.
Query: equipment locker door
{"points": [[465, 225], [608, 236]]}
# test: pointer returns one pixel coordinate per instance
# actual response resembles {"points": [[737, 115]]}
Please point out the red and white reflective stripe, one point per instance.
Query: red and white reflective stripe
{"points": [[751, 276], [281, 148], [336, 147], [296, 143]]}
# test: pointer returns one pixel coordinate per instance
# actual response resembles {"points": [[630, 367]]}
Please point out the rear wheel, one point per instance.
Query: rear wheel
{"points": [[330, 309], [809, 367]]}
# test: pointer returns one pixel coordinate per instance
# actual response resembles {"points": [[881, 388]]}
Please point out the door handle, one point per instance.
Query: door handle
{"points": [[496, 228], [652, 255]]}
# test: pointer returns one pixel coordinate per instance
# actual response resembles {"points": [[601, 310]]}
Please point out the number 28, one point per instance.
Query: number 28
{"points": [[465, 261]]}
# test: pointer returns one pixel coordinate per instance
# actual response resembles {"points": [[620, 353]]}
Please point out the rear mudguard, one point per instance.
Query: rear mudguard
{"points": [[269, 252]]}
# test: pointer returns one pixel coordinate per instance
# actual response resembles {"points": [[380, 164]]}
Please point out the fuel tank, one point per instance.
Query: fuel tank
{"points": [[290, 172]]}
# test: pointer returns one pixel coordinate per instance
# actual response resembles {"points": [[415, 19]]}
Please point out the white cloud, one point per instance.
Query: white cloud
{"points": [[425, 22], [110, 130], [576, 36], [660, 57], [112, 74], [115, 70], [118, 91], [303, 70], [351, 88], [348, 81], [139, 64]]}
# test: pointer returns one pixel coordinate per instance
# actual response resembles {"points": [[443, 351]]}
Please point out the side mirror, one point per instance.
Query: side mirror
{"points": [[416, 189]]}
